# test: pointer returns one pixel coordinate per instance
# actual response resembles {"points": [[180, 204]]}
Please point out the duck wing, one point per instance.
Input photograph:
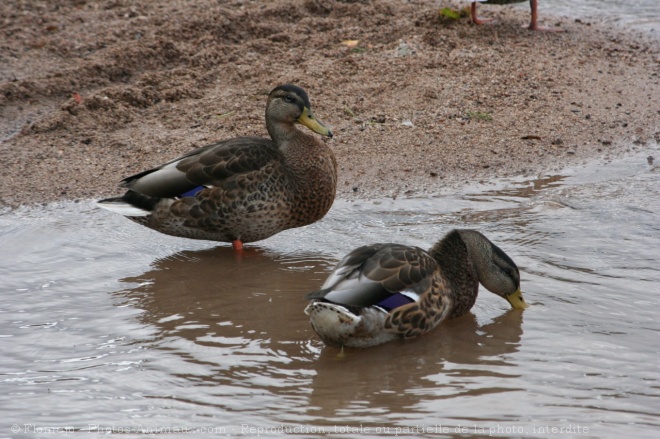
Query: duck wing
{"points": [[214, 165], [371, 274]]}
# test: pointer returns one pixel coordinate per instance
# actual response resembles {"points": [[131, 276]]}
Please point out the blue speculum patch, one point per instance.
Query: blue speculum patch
{"points": [[192, 192], [394, 301]]}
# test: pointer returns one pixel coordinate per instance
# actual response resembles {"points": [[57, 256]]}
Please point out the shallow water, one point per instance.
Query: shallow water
{"points": [[642, 15], [106, 325]]}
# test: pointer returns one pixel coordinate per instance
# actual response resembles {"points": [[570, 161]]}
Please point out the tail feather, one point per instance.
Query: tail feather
{"points": [[320, 294], [131, 204]]}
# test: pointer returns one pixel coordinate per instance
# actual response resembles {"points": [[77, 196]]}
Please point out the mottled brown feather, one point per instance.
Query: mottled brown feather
{"points": [[446, 279], [254, 187]]}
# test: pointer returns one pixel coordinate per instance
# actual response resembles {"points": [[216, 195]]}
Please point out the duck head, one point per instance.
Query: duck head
{"points": [[495, 269], [288, 105]]}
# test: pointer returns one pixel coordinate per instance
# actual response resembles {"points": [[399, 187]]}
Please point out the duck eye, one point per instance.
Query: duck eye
{"points": [[288, 99]]}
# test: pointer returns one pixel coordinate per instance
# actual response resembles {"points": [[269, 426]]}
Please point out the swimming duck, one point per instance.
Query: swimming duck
{"points": [[533, 25], [243, 189], [382, 292]]}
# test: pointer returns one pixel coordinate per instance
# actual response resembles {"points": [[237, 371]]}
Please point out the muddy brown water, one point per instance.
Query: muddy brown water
{"points": [[107, 326]]}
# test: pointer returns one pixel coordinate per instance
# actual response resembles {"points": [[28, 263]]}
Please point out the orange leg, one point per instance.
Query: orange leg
{"points": [[237, 244], [473, 15], [533, 25]]}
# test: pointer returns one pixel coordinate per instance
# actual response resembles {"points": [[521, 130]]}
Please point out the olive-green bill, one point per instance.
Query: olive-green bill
{"points": [[516, 300], [308, 119]]}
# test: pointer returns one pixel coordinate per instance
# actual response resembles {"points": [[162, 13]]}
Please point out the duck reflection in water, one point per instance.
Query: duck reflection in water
{"points": [[398, 376], [257, 290], [231, 329]]}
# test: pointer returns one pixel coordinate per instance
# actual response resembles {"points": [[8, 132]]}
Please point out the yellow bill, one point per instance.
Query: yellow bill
{"points": [[308, 119], [516, 300]]}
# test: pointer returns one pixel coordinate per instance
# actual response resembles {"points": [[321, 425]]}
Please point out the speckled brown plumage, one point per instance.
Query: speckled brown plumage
{"points": [[381, 292], [244, 189]]}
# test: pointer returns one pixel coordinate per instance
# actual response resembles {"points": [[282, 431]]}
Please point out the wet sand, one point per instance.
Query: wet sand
{"points": [[92, 92]]}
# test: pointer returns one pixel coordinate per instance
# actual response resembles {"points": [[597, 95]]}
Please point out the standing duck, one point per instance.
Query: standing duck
{"points": [[533, 25], [243, 189], [382, 292]]}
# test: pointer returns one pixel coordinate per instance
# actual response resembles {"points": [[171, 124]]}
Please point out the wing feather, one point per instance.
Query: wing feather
{"points": [[371, 274], [210, 166]]}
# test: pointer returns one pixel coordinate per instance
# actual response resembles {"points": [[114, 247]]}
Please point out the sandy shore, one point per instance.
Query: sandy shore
{"points": [[92, 92]]}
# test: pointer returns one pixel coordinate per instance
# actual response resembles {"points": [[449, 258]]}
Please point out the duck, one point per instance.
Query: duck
{"points": [[533, 25], [243, 189], [383, 292]]}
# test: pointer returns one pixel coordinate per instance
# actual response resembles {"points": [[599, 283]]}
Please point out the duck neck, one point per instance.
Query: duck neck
{"points": [[495, 269], [479, 252], [294, 145], [281, 133], [311, 167], [459, 268]]}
